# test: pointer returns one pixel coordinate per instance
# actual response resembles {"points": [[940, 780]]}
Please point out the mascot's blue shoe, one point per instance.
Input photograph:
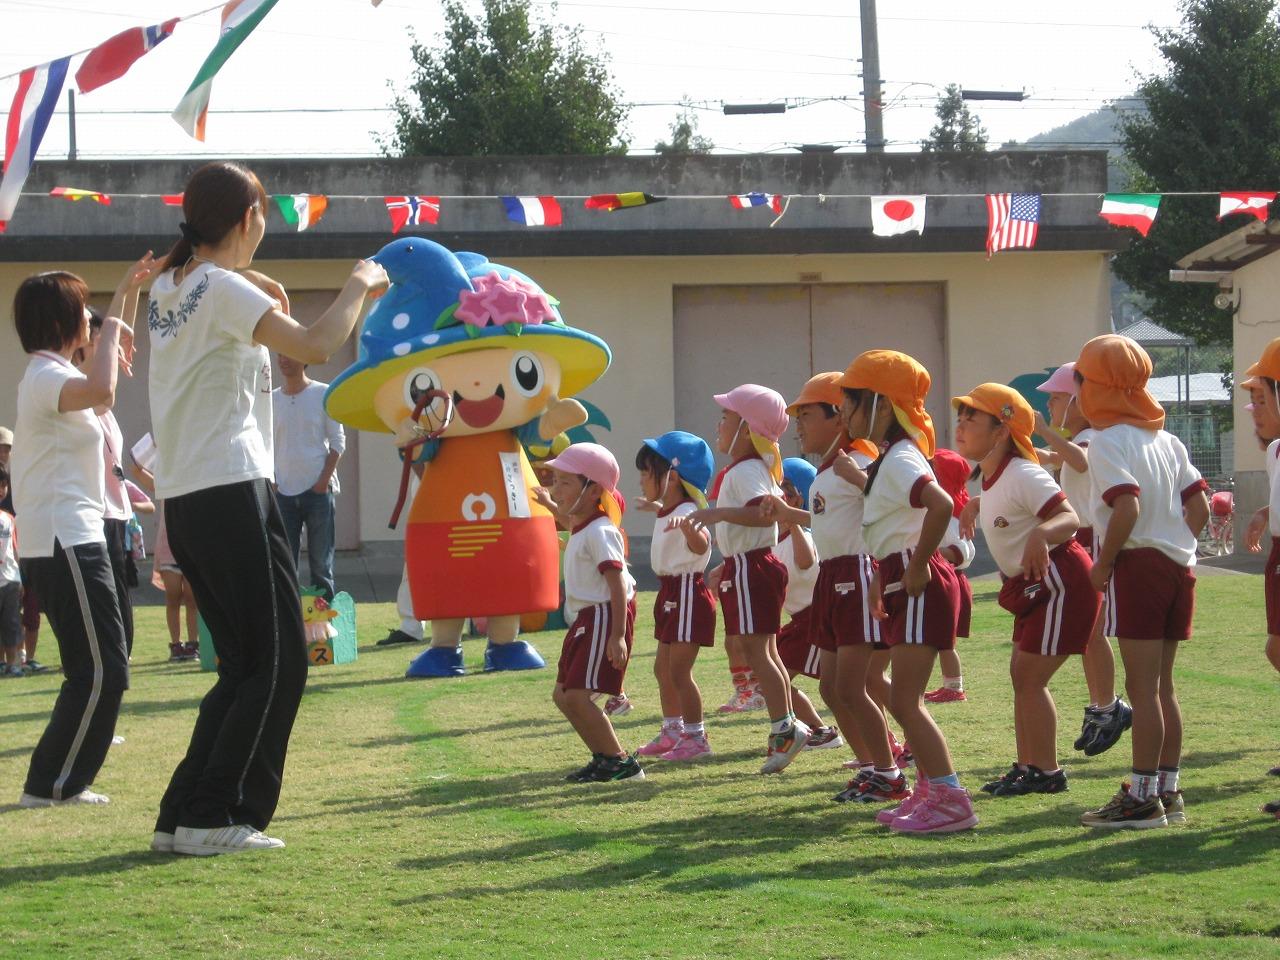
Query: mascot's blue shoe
{"points": [[438, 662], [517, 655]]}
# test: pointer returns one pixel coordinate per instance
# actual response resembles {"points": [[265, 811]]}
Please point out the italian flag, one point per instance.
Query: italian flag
{"points": [[302, 210], [1137, 210], [239, 17]]}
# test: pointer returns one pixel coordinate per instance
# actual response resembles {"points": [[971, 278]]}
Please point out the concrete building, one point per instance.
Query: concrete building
{"points": [[692, 295]]}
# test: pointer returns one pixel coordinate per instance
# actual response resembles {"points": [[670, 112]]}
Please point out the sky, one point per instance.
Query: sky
{"points": [[317, 76]]}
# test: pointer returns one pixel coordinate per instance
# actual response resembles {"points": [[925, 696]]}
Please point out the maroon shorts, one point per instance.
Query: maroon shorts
{"points": [[1054, 616], [1084, 537], [841, 614], [964, 614], [927, 620], [752, 588], [30, 609], [795, 645], [685, 611], [1271, 588], [1150, 597], [583, 663]]}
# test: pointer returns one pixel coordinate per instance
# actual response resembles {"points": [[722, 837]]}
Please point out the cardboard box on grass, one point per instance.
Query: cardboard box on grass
{"points": [[335, 649]]}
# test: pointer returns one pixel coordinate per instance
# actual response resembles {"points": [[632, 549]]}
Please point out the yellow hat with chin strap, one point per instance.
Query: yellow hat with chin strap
{"points": [[1009, 407]]}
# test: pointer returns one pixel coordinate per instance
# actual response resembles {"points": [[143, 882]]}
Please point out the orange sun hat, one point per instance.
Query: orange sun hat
{"points": [[1115, 371], [1009, 407], [1268, 366], [904, 381], [825, 388]]}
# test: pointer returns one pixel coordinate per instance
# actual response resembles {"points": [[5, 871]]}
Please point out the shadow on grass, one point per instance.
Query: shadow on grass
{"points": [[25, 876]]}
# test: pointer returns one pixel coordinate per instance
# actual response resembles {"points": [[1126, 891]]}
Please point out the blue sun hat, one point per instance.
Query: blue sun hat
{"points": [[441, 303], [800, 473], [691, 458]]}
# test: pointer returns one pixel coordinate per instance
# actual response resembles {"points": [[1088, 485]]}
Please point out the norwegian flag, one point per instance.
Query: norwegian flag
{"points": [[112, 58], [1013, 220], [411, 211], [745, 201]]}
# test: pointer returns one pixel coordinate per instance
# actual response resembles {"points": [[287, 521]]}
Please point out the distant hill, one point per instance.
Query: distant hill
{"points": [[1097, 130]]}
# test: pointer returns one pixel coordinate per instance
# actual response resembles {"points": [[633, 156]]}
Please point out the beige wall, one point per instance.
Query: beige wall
{"points": [[1014, 314], [1255, 325]]}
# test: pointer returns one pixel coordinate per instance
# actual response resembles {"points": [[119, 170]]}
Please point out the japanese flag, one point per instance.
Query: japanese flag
{"points": [[891, 216]]}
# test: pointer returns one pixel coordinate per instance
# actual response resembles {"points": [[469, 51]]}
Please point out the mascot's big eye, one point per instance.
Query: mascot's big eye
{"points": [[417, 383], [526, 373]]}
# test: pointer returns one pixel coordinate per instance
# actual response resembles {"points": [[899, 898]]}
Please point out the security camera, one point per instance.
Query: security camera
{"points": [[1223, 301]]}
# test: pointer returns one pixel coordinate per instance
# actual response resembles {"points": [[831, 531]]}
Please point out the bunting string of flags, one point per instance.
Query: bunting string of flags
{"points": [[1013, 219]]}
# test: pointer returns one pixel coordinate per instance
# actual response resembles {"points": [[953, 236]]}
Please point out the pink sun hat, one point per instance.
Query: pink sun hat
{"points": [[1062, 380], [589, 460], [764, 410]]}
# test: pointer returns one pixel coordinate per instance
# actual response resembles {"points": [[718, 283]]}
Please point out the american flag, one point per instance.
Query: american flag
{"points": [[411, 211], [1013, 220]]}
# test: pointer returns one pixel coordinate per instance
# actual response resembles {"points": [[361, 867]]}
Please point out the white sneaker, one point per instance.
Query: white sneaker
{"points": [[197, 842], [117, 740], [162, 842], [31, 801], [784, 747]]}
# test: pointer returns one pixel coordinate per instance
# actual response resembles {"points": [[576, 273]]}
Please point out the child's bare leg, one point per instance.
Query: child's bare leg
{"points": [[773, 682], [832, 691], [189, 601], [1170, 710], [1143, 665], [1035, 717], [854, 662], [1100, 667], [588, 720], [803, 706], [686, 697], [912, 664], [173, 596], [668, 698]]}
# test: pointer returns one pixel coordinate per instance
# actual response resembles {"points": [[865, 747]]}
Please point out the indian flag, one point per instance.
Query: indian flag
{"points": [[302, 210], [239, 17], [1137, 210]]}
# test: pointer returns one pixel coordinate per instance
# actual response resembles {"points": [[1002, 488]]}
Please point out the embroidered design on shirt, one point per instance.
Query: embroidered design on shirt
{"points": [[1001, 522], [171, 323], [819, 504]]}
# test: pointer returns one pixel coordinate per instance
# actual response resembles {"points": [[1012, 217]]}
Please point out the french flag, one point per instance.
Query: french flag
{"points": [[745, 201], [533, 211], [111, 59], [38, 91]]}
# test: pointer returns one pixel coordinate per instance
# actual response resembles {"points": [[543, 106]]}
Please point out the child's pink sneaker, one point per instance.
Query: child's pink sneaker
{"points": [[945, 810], [689, 748], [666, 739], [744, 699], [918, 794]]}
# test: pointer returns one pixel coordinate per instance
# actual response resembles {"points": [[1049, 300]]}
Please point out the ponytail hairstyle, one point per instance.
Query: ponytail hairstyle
{"points": [[214, 202], [48, 310]]}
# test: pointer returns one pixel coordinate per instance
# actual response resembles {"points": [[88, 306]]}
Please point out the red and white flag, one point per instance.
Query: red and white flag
{"points": [[891, 216], [1013, 220], [411, 211], [38, 91], [1244, 202], [111, 59]]}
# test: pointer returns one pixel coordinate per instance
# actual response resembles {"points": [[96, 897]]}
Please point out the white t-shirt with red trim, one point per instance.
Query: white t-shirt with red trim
{"points": [[1154, 466], [8, 550], [593, 548], [835, 506], [800, 583], [1016, 499], [210, 383], [56, 465], [892, 513], [1273, 478], [746, 482], [669, 553], [1076, 485]]}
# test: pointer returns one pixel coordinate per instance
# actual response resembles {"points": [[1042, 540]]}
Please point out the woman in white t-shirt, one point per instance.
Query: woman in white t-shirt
{"points": [[212, 324], [57, 488]]}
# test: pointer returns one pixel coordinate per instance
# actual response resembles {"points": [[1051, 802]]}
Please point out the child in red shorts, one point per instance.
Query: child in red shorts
{"points": [[674, 471], [599, 605], [1263, 384], [952, 471], [753, 581], [795, 641], [1149, 505], [1030, 530], [905, 517]]}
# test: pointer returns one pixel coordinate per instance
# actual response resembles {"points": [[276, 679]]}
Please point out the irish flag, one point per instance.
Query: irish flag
{"points": [[239, 17], [1137, 210], [302, 210]]}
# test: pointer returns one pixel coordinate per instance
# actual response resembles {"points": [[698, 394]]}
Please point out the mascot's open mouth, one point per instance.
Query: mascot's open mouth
{"points": [[480, 413]]}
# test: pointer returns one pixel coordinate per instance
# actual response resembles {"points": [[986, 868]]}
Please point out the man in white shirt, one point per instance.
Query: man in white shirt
{"points": [[308, 445]]}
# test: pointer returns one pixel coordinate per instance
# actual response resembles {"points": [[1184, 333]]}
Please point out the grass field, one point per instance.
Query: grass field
{"points": [[428, 819]]}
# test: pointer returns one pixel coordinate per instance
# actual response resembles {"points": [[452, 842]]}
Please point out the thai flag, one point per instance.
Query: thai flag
{"points": [[38, 91], [533, 211], [111, 59], [745, 201], [411, 211]]}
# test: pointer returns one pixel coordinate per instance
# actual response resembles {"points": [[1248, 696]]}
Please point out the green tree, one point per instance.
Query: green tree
{"points": [[684, 137], [1212, 123], [499, 84], [957, 130]]}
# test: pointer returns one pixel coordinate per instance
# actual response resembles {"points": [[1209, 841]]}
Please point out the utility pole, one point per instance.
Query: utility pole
{"points": [[71, 120], [872, 98]]}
